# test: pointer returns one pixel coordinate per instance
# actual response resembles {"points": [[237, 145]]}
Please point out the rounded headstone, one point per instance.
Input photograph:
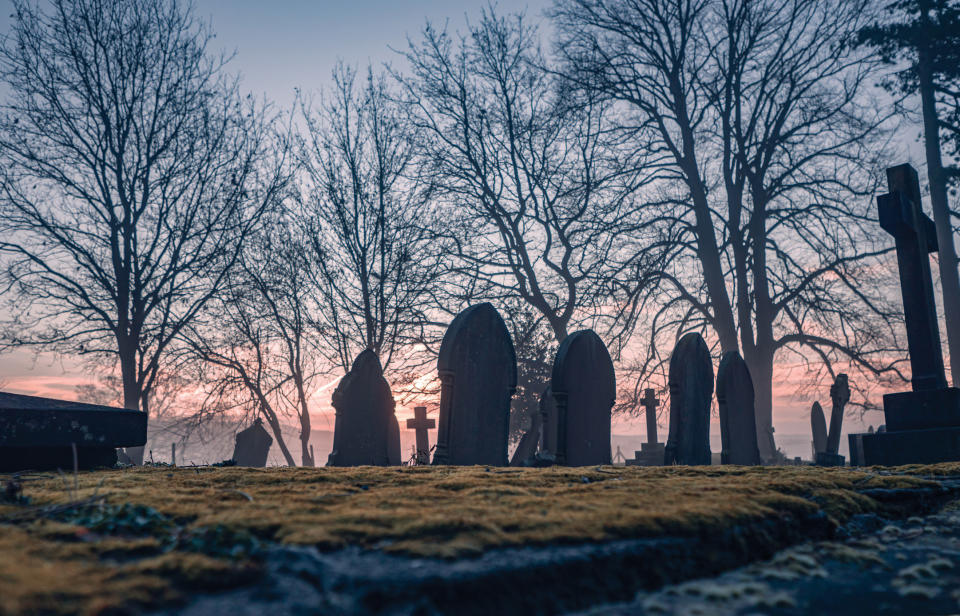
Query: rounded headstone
{"points": [[584, 387], [691, 389], [478, 375], [738, 424], [364, 416]]}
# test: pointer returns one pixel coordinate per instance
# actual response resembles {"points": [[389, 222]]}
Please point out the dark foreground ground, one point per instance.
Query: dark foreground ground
{"points": [[779, 540]]}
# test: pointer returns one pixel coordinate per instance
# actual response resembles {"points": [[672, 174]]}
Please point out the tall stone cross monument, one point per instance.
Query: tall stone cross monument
{"points": [[421, 424], [923, 425]]}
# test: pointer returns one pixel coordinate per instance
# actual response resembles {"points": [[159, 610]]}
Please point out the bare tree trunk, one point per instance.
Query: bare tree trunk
{"points": [[760, 363], [949, 278]]}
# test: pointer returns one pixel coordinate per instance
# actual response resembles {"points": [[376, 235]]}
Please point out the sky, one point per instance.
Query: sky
{"points": [[282, 45]]}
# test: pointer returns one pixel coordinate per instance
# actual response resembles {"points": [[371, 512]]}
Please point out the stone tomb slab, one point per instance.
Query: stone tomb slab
{"points": [[39, 433]]}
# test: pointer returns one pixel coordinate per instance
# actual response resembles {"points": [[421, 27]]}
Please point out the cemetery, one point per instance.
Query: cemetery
{"points": [[519, 319]]}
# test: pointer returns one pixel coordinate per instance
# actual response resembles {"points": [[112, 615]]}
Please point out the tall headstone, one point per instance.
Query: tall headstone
{"points": [[478, 375], [738, 425], [40, 433], [923, 425], [839, 396], [252, 446], [365, 430], [691, 389], [584, 389], [818, 424], [651, 452], [421, 424]]}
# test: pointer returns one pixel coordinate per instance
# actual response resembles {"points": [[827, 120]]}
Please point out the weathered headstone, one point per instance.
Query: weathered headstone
{"points": [[738, 424], [548, 423], [839, 396], [478, 375], [652, 451], [818, 424], [691, 389], [365, 430], [584, 388], [39, 433], [252, 446], [923, 425], [421, 424]]}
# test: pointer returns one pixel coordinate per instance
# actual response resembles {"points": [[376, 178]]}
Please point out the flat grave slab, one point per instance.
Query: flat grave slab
{"points": [[39, 433]]}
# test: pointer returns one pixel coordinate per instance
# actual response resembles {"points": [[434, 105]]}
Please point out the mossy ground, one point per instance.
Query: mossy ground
{"points": [[152, 535]]}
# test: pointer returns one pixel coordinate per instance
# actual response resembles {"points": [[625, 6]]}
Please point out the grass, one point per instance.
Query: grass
{"points": [[150, 536]]}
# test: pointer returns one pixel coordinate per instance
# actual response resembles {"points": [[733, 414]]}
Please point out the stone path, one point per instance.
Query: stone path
{"points": [[911, 567]]}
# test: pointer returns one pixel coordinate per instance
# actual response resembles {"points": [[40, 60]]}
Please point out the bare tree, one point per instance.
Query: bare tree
{"points": [[376, 262], [534, 200], [255, 341], [770, 148], [132, 170]]}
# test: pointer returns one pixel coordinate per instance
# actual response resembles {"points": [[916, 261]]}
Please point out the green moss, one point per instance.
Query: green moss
{"points": [[161, 532]]}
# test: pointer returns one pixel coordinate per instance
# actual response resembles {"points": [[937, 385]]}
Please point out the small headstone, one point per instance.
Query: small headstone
{"points": [[365, 430], [252, 446], [584, 388], [738, 424], [527, 447], [39, 433], [548, 422], [839, 395], [421, 424], [818, 424], [478, 375], [691, 389]]}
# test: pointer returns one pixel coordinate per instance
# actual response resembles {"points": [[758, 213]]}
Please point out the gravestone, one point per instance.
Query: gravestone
{"points": [[478, 375], [421, 424], [839, 396], [652, 451], [527, 447], [40, 433], [394, 455], [252, 446], [584, 389], [818, 424], [548, 423], [922, 425], [365, 429], [738, 424], [691, 389]]}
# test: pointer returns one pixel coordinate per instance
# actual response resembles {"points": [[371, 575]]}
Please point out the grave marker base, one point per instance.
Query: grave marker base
{"points": [[830, 459], [650, 454], [922, 410], [905, 447]]}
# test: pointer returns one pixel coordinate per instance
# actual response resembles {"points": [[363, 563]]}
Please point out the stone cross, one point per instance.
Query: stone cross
{"points": [[421, 424], [818, 424], [650, 403], [691, 390], [901, 215], [477, 366], [584, 388], [738, 421]]}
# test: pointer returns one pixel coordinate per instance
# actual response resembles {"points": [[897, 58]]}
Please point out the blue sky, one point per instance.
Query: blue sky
{"points": [[295, 43]]}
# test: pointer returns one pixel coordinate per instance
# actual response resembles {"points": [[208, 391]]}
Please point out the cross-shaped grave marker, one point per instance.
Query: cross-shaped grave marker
{"points": [[651, 453], [421, 424], [923, 425]]}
